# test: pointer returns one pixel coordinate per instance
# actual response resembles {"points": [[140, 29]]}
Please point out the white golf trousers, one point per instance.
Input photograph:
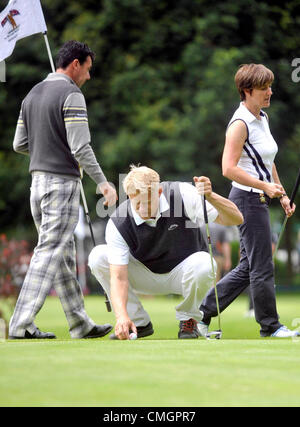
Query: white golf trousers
{"points": [[191, 278]]}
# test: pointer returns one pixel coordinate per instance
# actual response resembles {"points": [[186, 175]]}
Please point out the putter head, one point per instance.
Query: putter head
{"points": [[214, 335], [108, 306]]}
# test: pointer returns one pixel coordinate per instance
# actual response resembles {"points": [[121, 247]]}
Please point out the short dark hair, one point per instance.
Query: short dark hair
{"points": [[73, 50], [252, 76]]}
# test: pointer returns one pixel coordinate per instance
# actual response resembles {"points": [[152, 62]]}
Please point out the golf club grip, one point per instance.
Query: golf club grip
{"points": [[91, 229], [293, 196], [204, 209]]}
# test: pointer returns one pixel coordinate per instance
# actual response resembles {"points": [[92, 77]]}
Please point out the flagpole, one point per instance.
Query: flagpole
{"points": [[49, 51]]}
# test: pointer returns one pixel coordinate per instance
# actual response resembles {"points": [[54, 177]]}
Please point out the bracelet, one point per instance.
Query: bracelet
{"points": [[282, 195]]}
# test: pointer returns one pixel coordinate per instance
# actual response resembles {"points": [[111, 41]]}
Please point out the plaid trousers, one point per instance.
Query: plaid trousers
{"points": [[55, 208]]}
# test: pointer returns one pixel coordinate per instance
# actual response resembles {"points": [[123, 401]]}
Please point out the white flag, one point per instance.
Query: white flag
{"points": [[19, 19]]}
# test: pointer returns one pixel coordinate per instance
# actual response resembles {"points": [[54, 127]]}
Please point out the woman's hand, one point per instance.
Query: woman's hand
{"points": [[285, 203], [273, 190]]}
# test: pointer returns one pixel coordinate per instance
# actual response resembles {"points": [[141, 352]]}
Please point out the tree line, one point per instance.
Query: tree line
{"points": [[162, 88]]}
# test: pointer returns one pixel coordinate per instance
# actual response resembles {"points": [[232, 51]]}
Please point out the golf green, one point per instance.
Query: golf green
{"points": [[241, 369]]}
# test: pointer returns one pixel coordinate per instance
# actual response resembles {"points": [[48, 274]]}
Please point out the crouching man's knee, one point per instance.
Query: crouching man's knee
{"points": [[198, 267], [98, 259], [98, 263]]}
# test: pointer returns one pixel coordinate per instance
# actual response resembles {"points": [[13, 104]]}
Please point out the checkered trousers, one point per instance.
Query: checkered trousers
{"points": [[55, 209]]}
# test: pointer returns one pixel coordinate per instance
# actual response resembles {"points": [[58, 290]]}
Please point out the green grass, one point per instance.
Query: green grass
{"points": [[242, 369]]}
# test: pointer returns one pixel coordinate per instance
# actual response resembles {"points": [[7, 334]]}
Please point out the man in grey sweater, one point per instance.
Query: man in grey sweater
{"points": [[53, 129]]}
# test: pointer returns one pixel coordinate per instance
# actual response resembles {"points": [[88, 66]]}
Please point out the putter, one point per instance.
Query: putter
{"points": [[107, 303], [218, 333], [286, 218]]}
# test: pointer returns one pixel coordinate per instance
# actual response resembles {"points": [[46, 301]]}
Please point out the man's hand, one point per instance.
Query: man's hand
{"points": [[228, 213], [109, 193], [203, 185], [123, 327], [285, 203]]}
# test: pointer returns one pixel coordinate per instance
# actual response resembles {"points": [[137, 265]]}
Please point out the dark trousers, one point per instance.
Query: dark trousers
{"points": [[255, 268]]}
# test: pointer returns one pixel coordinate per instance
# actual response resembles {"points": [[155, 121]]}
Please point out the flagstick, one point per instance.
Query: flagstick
{"points": [[107, 303], [49, 51]]}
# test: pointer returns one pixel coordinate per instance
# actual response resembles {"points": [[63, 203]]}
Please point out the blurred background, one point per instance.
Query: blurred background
{"points": [[161, 94]]}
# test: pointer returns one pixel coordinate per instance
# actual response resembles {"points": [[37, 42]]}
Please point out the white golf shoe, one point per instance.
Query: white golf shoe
{"points": [[202, 329], [284, 332]]}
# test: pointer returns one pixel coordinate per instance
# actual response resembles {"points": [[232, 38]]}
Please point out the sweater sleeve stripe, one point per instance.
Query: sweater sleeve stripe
{"points": [[20, 121], [74, 114]]}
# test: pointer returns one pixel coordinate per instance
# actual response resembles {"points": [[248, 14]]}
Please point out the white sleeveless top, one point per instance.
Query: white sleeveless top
{"points": [[259, 150]]}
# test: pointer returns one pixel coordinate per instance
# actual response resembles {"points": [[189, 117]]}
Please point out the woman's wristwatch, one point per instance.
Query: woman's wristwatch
{"points": [[282, 195]]}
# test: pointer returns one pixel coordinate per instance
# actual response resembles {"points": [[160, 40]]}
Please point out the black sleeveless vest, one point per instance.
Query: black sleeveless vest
{"points": [[173, 239]]}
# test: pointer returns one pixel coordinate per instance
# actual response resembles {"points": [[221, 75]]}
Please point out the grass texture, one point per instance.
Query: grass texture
{"points": [[241, 369]]}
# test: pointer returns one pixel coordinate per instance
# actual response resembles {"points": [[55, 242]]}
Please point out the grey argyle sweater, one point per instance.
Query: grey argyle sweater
{"points": [[53, 129]]}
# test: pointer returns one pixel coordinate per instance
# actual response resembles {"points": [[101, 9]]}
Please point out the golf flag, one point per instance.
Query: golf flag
{"points": [[20, 18]]}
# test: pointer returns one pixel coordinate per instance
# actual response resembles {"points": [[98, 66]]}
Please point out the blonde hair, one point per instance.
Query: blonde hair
{"points": [[140, 178], [252, 76]]}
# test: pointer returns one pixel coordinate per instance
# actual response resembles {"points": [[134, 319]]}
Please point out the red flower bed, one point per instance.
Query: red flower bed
{"points": [[14, 261]]}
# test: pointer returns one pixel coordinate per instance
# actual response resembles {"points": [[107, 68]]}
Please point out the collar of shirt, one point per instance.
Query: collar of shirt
{"points": [[59, 76], [163, 207], [249, 116]]}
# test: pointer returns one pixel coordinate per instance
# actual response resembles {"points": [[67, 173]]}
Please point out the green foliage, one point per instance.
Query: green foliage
{"points": [[162, 88]]}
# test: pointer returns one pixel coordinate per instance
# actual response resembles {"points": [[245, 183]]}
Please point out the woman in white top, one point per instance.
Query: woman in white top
{"points": [[248, 160]]}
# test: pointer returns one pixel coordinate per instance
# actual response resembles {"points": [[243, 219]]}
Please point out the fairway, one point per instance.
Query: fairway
{"points": [[239, 370]]}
